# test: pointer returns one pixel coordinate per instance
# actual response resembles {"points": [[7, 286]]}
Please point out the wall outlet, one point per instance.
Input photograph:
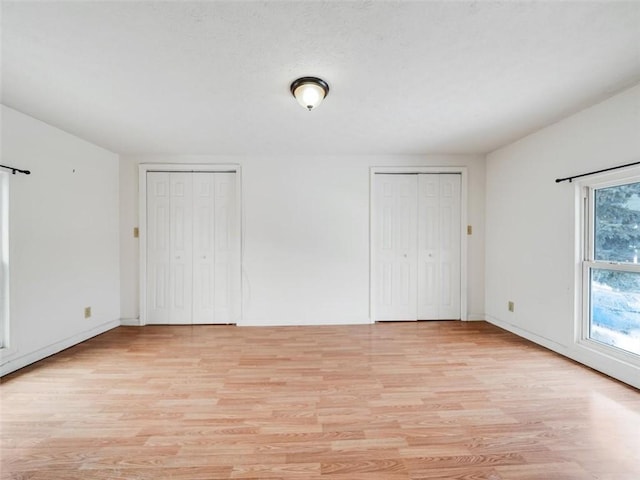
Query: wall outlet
{"points": [[511, 306], [136, 232], [87, 312], [469, 230]]}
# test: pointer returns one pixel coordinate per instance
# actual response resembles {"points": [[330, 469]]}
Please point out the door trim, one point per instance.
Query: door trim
{"points": [[143, 168], [463, 223]]}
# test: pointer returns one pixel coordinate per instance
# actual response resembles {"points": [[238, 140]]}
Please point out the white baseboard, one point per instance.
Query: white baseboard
{"points": [[130, 322], [18, 360], [281, 323], [545, 342], [474, 317], [625, 372]]}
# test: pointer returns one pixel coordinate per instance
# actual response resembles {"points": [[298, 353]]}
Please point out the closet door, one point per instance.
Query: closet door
{"points": [[226, 250], [181, 247], [416, 246], [169, 247], [203, 247], [193, 248], [158, 247], [439, 246], [216, 259], [395, 247]]}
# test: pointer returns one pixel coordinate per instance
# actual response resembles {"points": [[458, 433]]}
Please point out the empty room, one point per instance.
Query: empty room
{"points": [[304, 240]]}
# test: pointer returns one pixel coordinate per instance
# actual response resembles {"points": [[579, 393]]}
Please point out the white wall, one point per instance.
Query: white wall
{"points": [[63, 232], [530, 238], [306, 234]]}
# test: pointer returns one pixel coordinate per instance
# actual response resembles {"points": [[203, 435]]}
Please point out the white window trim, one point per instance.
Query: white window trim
{"points": [[6, 348], [462, 171], [584, 262], [143, 168]]}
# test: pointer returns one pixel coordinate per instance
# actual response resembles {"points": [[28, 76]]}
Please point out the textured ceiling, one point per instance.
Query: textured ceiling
{"points": [[406, 77]]}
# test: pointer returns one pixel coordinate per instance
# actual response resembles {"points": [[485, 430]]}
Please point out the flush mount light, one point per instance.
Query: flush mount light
{"points": [[309, 91]]}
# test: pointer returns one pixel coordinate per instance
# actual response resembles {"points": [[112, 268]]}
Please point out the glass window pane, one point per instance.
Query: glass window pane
{"points": [[615, 309], [617, 223]]}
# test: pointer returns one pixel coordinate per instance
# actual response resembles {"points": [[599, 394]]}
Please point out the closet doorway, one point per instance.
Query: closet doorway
{"points": [[417, 246], [191, 238]]}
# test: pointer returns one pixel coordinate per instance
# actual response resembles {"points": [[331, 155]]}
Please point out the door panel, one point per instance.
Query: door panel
{"points": [[428, 287], [439, 246], [227, 250], [450, 206], [158, 232], [203, 244], [395, 247], [181, 241]]}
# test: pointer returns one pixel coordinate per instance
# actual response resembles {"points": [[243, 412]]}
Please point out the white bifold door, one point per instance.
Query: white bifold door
{"points": [[193, 248], [416, 246]]}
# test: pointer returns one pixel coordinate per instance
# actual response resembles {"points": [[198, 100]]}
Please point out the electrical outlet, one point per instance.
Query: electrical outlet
{"points": [[511, 306], [87, 312], [469, 229], [136, 232]]}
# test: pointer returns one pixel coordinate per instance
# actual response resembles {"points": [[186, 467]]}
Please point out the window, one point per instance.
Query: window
{"points": [[4, 259], [611, 271]]}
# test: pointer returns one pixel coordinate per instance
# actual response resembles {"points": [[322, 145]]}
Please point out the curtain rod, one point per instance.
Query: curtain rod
{"points": [[14, 170], [558, 180]]}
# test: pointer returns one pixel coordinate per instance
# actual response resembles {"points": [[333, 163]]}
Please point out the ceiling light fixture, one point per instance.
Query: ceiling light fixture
{"points": [[309, 91]]}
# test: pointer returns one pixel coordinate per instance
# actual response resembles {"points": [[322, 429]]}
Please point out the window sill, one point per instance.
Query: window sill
{"points": [[612, 353]]}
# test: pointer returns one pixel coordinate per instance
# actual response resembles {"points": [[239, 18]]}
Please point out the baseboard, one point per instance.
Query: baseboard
{"points": [[625, 372], [284, 323], [474, 317], [545, 342], [18, 361], [130, 322]]}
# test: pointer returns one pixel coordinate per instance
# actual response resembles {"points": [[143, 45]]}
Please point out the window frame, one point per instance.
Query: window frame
{"points": [[588, 263], [5, 339]]}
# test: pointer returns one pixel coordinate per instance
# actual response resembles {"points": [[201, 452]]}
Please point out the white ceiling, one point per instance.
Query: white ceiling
{"points": [[212, 77]]}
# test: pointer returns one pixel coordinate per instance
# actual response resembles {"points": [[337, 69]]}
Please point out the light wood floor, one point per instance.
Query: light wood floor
{"points": [[427, 400]]}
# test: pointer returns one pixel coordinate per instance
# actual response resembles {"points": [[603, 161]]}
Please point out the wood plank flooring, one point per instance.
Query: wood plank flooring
{"points": [[426, 400]]}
